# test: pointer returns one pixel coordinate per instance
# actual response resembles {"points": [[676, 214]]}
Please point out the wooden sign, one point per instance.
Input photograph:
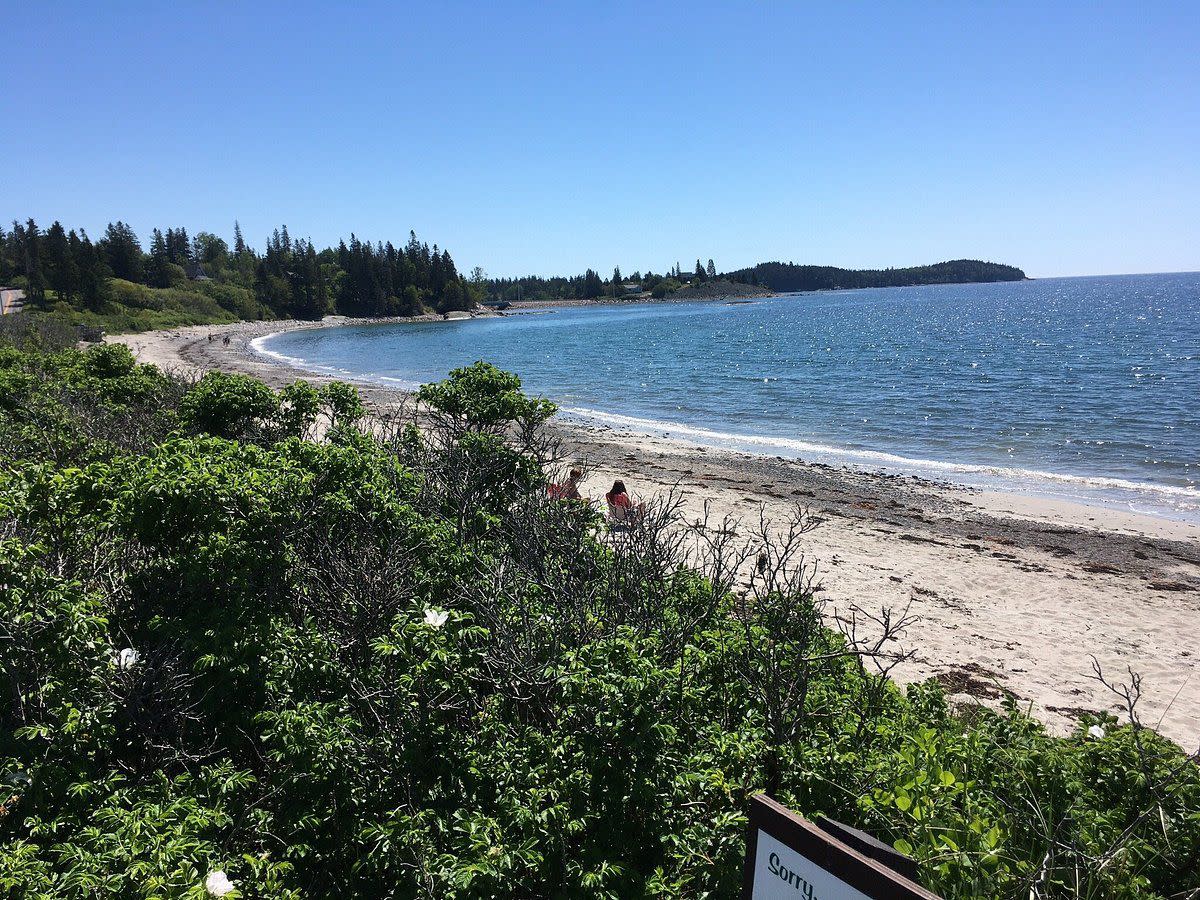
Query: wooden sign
{"points": [[790, 858]]}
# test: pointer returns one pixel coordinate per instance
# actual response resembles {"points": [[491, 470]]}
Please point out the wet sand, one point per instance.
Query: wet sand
{"points": [[1013, 594]]}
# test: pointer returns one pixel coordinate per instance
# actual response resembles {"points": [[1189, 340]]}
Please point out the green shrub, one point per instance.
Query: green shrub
{"points": [[235, 299], [227, 405], [138, 296], [482, 397]]}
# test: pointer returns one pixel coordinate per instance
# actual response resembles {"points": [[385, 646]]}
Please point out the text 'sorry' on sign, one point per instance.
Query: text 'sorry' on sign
{"points": [[790, 858]]}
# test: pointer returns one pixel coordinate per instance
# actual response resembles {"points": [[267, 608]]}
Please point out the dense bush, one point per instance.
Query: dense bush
{"points": [[132, 307], [26, 330], [386, 665], [137, 307]]}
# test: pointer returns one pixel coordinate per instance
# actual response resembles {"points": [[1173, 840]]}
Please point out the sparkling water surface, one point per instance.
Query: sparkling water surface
{"points": [[1078, 388]]}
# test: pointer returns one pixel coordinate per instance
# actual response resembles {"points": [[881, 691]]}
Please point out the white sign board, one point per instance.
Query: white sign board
{"points": [[790, 858], [780, 873]]}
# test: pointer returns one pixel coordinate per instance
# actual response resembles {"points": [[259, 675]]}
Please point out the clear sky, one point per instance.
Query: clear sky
{"points": [[547, 137]]}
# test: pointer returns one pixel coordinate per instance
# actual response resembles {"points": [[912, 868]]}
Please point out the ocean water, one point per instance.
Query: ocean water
{"points": [[1078, 388]]}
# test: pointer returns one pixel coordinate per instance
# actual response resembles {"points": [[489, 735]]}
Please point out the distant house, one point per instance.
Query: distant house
{"points": [[631, 287], [195, 271]]}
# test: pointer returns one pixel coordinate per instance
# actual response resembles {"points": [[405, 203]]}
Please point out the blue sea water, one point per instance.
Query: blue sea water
{"points": [[1079, 388]]}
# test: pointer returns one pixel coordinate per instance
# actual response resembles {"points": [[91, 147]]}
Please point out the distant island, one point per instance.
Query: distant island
{"points": [[786, 277], [705, 282]]}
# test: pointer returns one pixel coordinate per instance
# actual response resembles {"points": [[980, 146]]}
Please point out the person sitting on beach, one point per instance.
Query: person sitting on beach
{"points": [[569, 489], [622, 510]]}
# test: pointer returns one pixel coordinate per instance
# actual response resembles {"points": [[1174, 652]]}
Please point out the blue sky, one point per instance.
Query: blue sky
{"points": [[1063, 138]]}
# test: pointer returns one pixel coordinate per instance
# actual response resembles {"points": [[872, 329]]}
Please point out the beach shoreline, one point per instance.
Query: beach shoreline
{"points": [[1014, 594]]}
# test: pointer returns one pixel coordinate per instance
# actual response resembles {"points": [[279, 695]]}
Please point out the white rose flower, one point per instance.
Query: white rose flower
{"points": [[435, 618], [1096, 731], [218, 884]]}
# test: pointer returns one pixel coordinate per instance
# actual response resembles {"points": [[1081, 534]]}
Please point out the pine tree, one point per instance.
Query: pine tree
{"points": [[449, 270], [453, 297], [159, 272], [592, 285], [711, 271], [5, 264], [122, 252], [410, 301], [95, 288], [308, 292], [30, 260], [699, 271], [437, 274], [62, 275], [239, 243]]}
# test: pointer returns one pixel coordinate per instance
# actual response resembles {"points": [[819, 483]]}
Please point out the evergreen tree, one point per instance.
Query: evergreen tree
{"points": [[6, 266], [159, 272], [591, 285], [239, 243], [30, 260], [122, 252], [699, 271], [95, 288], [437, 274], [711, 271], [179, 247], [410, 302], [453, 297], [309, 294], [62, 274]]}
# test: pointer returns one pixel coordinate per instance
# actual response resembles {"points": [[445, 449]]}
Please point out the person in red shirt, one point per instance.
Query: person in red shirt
{"points": [[567, 490], [621, 509]]}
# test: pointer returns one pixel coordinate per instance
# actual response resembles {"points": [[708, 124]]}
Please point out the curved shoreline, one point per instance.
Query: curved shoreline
{"points": [[1014, 593], [1109, 493]]}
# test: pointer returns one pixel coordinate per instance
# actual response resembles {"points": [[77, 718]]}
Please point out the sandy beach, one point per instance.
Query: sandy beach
{"points": [[1013, 595]]}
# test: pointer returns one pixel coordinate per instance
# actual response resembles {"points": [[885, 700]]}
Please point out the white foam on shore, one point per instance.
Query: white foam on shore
{"points": [[258, 345]]}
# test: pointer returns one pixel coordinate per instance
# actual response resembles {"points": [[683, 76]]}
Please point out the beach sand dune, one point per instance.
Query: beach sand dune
{"points": [[1013, 595]]}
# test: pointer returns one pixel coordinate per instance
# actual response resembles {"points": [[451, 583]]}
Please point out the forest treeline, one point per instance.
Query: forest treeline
{"points": [[784, 277], [289, 278], [590, 285]]}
